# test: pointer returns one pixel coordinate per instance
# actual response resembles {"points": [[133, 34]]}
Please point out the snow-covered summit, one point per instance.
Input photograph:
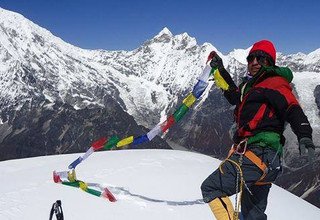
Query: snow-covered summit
{"points": [[148, 184], [164, 31], [19, 33], [313, 57], [240, 55]]}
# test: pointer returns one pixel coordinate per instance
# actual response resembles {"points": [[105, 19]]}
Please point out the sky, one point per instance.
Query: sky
{"points": [[293, 25], [148, 184]]}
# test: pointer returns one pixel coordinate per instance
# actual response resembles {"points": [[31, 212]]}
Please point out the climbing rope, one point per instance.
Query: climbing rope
{"points": [[239, 179]]}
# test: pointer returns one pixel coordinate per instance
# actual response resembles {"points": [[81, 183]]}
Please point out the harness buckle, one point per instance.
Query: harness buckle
{"points": [[241, 147]]}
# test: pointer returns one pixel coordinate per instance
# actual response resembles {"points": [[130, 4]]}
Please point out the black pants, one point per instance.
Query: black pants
{"points": [[253, 203]]}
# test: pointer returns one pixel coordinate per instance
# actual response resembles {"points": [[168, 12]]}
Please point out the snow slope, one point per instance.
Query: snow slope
{"points": [[149, 184]]}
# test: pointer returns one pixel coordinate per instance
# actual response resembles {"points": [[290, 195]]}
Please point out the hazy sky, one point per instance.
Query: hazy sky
{"points": [[294, 26]]}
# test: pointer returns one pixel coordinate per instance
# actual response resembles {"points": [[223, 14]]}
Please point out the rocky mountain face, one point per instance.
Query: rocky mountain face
{"points": [[303, 182], [317, 95], [57, 98], [53, 98], [55, 128]]}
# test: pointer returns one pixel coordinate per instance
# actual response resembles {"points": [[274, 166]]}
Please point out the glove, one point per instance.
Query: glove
{"points": [[216, 62], [306, 146], [221, 77]]}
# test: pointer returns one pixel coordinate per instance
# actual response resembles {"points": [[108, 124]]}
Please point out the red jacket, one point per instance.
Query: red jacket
{"points": [[265, 102]]}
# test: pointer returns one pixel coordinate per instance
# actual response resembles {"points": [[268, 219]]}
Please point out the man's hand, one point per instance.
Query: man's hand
{"points": [[216, 62], [306, 147]]}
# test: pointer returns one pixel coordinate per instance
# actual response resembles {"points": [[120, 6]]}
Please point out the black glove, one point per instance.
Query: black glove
{"points": [[216, 62], [306, 146]]}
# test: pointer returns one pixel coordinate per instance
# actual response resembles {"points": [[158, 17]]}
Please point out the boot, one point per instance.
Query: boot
{"points": [[222, 208]]}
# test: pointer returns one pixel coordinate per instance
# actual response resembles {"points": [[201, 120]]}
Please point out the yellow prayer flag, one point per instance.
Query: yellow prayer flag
{"points": [[219, 80], [189, 100], [125, 141], [83, 186], [72, 176]]}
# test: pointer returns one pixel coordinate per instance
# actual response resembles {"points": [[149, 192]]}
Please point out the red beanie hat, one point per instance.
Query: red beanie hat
{"points": [[265, 46]]}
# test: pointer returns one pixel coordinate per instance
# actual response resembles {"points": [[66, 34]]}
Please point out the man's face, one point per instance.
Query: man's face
{"points": [[255, 62]]}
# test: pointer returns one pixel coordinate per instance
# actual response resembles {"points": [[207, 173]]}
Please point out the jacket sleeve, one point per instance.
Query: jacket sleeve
{"points": [[279, 94], [232, 94]]}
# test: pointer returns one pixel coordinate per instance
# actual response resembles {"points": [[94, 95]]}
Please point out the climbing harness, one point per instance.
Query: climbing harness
{"points": [[242, 150]]}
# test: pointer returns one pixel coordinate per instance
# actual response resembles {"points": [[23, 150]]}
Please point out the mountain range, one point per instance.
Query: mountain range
{"points": [[57, 98]]}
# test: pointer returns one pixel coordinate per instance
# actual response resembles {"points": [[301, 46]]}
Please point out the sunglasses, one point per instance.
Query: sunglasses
{"points": [[259, 55], [260, 58]]}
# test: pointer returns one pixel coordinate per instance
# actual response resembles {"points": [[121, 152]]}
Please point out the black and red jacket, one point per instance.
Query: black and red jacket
{"points": [[265, 102]]}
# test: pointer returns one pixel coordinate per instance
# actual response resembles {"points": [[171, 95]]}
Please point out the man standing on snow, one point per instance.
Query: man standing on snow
{"points": [[264, 102]]}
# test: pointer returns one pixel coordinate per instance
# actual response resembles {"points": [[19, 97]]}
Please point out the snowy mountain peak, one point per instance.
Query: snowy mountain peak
{"points": [[313, 57], [315, 53], [180, 41], [240, 55], [185, 40], [164, 31], [9, 15]]}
